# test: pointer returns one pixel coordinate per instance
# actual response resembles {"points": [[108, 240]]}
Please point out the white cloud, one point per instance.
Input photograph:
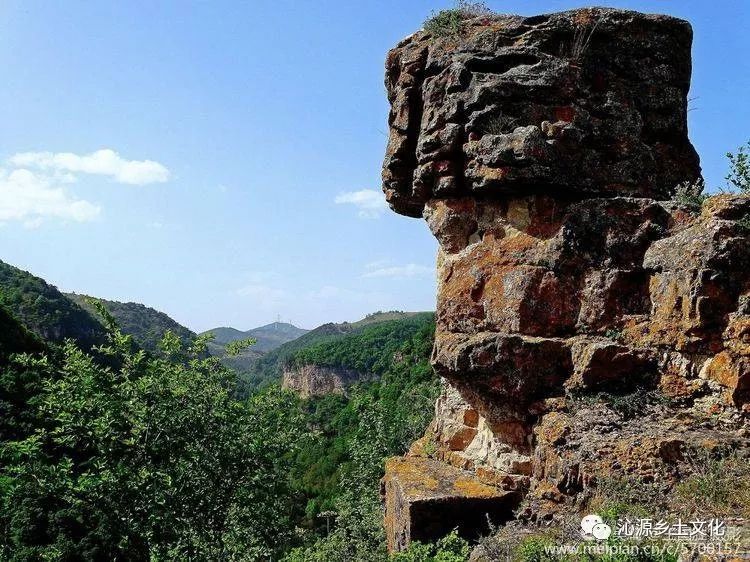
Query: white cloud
{"points": [[105, 162], [408, 271], [370, 203], [31, 198]]}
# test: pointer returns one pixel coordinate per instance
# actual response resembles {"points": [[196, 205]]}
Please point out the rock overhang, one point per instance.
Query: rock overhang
{"points": [[589, 102]]}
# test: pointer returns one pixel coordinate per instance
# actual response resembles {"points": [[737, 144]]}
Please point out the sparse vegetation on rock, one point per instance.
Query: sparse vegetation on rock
{"points": [[449, 23]]}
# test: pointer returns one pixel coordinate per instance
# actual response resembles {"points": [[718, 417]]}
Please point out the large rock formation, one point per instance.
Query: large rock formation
{"points": [[543, 153], [319, 380]]}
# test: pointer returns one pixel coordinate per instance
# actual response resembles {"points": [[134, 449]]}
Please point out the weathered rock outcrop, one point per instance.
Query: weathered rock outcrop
{"points": [[543, 153], [316, 380]]}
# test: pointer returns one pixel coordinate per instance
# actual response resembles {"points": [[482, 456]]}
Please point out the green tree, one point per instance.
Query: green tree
{"points": [[153, 460]]}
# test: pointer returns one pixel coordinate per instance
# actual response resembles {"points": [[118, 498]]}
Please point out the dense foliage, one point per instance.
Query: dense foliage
{"points": [[342, 473], [18, 386], [154, 460], [153, 457], [45, 310], [368, 350], [146, 325]]}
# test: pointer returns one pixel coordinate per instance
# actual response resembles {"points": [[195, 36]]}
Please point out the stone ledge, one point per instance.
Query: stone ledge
{"points": [[425, 499]]}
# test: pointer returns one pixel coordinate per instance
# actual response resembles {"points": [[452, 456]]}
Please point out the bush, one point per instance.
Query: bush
{"points": [[451, 548], [634, 403], [151, 460], [690, 194], [739, 169], [447, 23]]}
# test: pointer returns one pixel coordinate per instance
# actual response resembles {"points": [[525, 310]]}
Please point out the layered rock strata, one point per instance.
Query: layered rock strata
{"points": [[543, 153], [317, 380]]}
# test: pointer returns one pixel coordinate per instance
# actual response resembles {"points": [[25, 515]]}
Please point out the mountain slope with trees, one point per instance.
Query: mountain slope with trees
{"points": [[133, 456], [145, 324], [44, 310], [269, 367]]}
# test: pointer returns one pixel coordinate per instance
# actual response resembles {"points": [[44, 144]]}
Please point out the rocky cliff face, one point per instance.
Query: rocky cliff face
{"points": [[316, 380], [543, 153]]}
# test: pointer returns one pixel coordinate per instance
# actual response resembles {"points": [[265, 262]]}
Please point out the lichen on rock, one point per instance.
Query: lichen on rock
{"points": [[565, 272]]}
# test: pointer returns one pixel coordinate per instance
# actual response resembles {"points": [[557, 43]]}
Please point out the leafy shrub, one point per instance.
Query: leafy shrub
{"points": [[448, 23], [618, 497], [739, 169], [451, 548], [535, 548], [690, 194], [633, 404], [151, 460]]}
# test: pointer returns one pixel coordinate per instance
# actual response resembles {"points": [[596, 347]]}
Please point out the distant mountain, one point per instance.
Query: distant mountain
{"points": [[145, 324], [270, 366], [268, 337], [45, 311]]}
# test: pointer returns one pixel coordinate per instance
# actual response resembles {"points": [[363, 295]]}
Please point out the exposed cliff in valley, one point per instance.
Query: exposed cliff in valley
{"points": [[590, 326], [315, 380]]}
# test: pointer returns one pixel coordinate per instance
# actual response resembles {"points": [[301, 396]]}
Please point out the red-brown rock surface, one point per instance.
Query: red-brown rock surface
{"points": [[564, 270]]}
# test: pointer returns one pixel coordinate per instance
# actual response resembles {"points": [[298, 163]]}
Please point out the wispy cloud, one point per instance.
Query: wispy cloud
{"points": [[105, 162], [35, 186], [31, 198], [369, 202], [407, 271]]}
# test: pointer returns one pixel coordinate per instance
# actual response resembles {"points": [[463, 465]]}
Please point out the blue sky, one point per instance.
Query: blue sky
{"points": [[190, 155]]}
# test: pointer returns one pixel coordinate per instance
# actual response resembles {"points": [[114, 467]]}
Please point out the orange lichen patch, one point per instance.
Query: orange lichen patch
{"points": [[503, 480], [724, 370], [497, 174], [673, 385], [410, 473], [421, 478], [737, 334], [732, 372], [474, 488], [555, 427], [719, 206]]}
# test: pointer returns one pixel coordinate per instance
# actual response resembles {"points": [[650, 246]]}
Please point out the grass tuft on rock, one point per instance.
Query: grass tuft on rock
{"points": [[449, 23]]}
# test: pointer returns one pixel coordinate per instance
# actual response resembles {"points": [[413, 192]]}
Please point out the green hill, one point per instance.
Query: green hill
{"points": [[55, 316], [14, 338], [268, 367], [267, 337], [145, 324], [45, 311]]}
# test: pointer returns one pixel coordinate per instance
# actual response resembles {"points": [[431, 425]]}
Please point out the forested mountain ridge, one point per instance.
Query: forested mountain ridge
{"points": [[55, 316], [267, 338], [46, 311], [333, 364], [85, 476], [145, 324], [270, 366]]}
